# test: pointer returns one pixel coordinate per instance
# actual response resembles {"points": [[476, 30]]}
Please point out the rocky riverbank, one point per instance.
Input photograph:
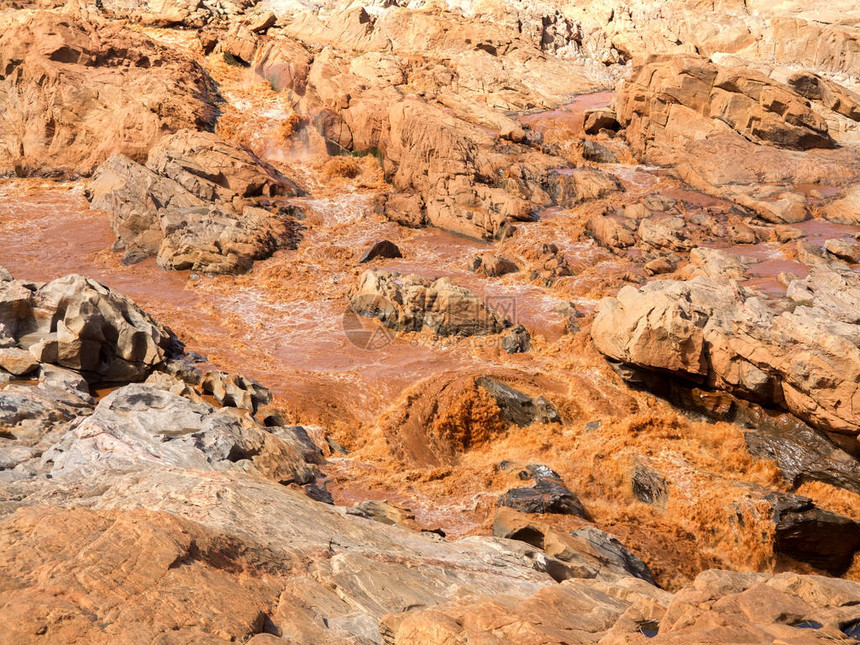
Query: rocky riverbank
{"points": [[429, 322]]}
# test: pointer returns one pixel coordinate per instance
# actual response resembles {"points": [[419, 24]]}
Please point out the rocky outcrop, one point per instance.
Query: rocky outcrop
{"points": [[143, 423], [75, 91], [677, 98], [196, 204], [411, 303], [710, 331], [80, 324]]}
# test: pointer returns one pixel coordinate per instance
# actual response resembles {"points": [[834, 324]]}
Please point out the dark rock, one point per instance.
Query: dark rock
{"points": [[803, 454], [807, 533], [612, 551], [593, 151], [546, 496], [518, 407], [381, 249], [319, 493], [648, 486], [517, 341]]}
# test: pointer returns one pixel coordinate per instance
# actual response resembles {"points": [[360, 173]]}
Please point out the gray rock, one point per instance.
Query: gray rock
{"points": [[518, 407], [80, 324], [546, 496], [143, 423], [517, 340]]}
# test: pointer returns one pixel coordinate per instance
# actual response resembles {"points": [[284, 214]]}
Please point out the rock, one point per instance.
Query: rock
{"points": [[82, 325], [144, 423], [382, 511], [664, 233], [848, 250], [593, 151], [29, 413], [261, 21], [133, 195], [93, 89], [188, 205], [492, 265], [213, 169], [217, 240], [518, 407], [649, 486], [381, 249], [610, 232], [712, 331], [411, 303], [600, 119], [16, 361], [833, 96], [809, 534], [234, 390], [845, 210], [517, 341], [546, 496], [673, 97], [803, 454], [608, 549], [588, 552], [659, 266]]}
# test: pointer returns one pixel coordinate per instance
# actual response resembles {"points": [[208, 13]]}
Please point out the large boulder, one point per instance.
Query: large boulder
{"points": [[412, 303], [80, 324], [802, 356], [673, 98], [75, 91], [192, 205], [143, 423]]}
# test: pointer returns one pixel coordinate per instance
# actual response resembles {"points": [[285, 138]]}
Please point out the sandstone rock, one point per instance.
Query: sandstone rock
{"points": [[188, 206], [213, 169], [833, 96], [709, 330], [848, 250], [381, 249], [411, 303], [17, 361], [492, 265], [593, 151], [588, 552], [610, 232], [217, 240], [682, 97], [660, 265], [74, 92], [28, 413], [80, 324], [845, 210], [664, 233], [600, 119], [236, 391]]}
